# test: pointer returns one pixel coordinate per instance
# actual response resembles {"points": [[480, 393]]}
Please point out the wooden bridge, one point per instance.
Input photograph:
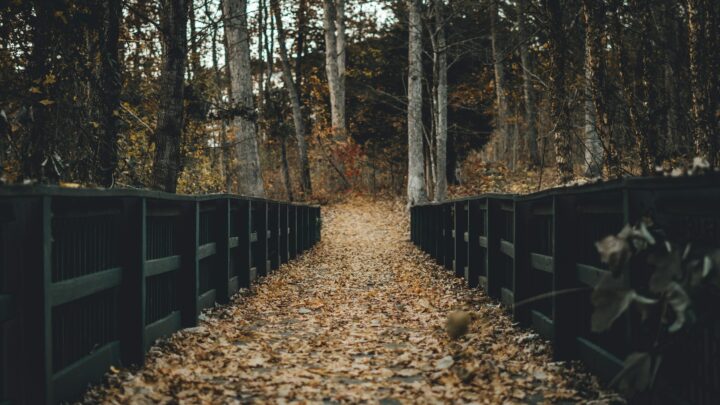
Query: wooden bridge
{"points": [[91, 278], [519, 247]]}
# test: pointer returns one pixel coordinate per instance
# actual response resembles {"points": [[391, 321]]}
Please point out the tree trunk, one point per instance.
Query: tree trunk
{"points": [[332, 67], [441, 90], [528, 92], [673, 139], [642, 97], [300, 44], [593, 146], [340, 43], [501, 116], [249, 175], [415, 188], [596, 72], [171, 114], [110, 85], [262, 90], [285, 167], [701, 86], [193, 51], [298, 119], [452, 158], [220, 84], [558, 99], [36, 147]]}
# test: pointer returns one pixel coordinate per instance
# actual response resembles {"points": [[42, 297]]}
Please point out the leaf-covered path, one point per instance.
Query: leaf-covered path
{"points": [[360, 318]]}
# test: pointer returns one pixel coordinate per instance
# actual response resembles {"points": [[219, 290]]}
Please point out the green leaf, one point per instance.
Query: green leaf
{"points": [[679, 302], [611, 298], [638, 373]]}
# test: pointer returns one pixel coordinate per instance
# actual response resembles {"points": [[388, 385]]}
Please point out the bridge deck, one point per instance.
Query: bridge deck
{"points": [[360, 317]]}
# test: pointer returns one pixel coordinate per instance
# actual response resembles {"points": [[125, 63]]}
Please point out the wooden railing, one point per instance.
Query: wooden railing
{"points": [[543, 245], [91, 278]]}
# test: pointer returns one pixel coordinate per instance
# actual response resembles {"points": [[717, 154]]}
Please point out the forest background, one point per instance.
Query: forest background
{"points": [[311, 99]]}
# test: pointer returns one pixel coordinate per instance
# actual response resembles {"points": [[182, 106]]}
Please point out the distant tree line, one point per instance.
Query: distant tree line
{"points": [[292, 98]]}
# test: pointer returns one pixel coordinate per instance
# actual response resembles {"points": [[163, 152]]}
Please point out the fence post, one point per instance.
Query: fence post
{"points": [[132, 335], [284, 234], [493, 257], [244, 249], [474, 256], [292, 223], [273, 236], [460, 233], [189, 272], [437, 233], [222, 240], [565, 316], [260, 220], [306, 228], [318, 224], [521, 261], [427, 227], [447, 226], [36, 274]]}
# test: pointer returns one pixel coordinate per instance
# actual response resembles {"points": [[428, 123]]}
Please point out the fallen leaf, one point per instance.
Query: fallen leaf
{"points": [[444, 363]]}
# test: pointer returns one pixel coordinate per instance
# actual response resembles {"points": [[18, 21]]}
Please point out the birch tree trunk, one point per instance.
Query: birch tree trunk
{"points": [[285, 167], [501, 116], [593, 146], [250, 180], [558, 99], [300, 43], [219, 83], [596, 71], [171, 114], [528, 92], [262, 90], [441, 90], [415, 188], [290, 86], [332, 68], [340, 44]]}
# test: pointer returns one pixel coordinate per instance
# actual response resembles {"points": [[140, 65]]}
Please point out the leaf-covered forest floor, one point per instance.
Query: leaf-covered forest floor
{"points": [[359, 318]]}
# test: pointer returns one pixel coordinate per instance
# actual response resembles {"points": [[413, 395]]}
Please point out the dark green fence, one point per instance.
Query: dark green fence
{"points": [[91, 278], [517, 247]]}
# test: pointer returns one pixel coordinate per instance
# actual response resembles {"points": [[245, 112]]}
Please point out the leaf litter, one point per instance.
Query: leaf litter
{"points": [[359, 318]]}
